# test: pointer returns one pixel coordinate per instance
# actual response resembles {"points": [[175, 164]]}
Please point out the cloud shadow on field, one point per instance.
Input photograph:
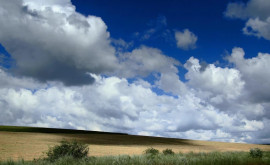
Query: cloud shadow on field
{"points": [[101, 138]]}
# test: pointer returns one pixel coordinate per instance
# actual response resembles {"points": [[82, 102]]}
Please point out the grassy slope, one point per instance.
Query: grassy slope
{"points": [[29, 142]]}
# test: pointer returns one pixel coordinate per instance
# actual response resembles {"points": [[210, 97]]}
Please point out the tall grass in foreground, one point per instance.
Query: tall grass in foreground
{"points": [[213, 158]]}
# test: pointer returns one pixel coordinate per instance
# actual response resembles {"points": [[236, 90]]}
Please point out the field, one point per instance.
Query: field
{"points": [[29, 143]]}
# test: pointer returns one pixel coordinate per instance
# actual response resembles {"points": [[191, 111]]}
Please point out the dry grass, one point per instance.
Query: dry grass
{"points": [[33, 145]]}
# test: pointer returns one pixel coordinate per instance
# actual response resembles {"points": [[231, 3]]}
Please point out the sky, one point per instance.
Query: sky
{"points": [[183, 69]]}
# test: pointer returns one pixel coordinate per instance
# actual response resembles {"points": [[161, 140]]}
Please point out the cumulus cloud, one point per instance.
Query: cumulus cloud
{"points": [[9, 81], [144, 61], [226, 82], [258, 28], [253, 8], [214, 105], [51, 41], [114, 104], [255, 72], [185, 39], [257, 14], [170, 82], [240, 89]]}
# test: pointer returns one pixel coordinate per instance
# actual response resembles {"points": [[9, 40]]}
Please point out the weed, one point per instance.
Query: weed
{"points": [[151, 151], [255, 153], [168, 152], [73, 149]]}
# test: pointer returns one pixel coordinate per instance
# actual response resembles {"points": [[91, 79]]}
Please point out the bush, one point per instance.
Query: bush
{"points": [[255, 153], [151, 151], [168, 152], [70, 149]]}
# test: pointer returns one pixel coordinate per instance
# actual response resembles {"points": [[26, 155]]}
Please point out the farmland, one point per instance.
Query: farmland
{"points": [[29, 143]]}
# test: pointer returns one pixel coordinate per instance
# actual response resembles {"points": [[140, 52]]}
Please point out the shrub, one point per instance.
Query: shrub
{"points": [[72, 149], [151, 151], [168, 152], [255, 153]]}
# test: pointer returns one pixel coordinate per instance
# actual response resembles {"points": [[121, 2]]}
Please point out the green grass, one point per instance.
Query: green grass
{"points": [[213, 158]]}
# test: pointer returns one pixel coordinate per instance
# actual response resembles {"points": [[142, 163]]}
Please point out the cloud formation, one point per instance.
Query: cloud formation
{"points": [[111, 104], [53, 42], [185, 39], [143, 61], [212, 78], [228, 111], [257, 14], [255, 73]]}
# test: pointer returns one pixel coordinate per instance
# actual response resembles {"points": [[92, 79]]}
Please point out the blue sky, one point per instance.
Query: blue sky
{"points": [[195, 70], [217, 34]]}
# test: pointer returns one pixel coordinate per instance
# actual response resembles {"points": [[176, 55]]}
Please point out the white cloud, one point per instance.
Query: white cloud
{"points": [[219, 81], [258, 28], [236, 10], [257, 14], [144, 61], [114, 104], [171, 83], [51, 41], [186, 39], [9, 81], [252, 9], [56, 5], [242, 89], [56, 43], [255, 72], [213, 106]]}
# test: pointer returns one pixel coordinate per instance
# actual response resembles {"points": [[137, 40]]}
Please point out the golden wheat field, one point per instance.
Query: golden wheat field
{"points": [[30, 145]]}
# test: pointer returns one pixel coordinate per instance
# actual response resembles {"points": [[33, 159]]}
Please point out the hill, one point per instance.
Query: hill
{"points": [[32, 142], [51, 130]]}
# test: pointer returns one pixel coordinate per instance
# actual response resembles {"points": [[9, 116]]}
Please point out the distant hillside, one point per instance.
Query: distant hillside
{"points": [[51, 130]]}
